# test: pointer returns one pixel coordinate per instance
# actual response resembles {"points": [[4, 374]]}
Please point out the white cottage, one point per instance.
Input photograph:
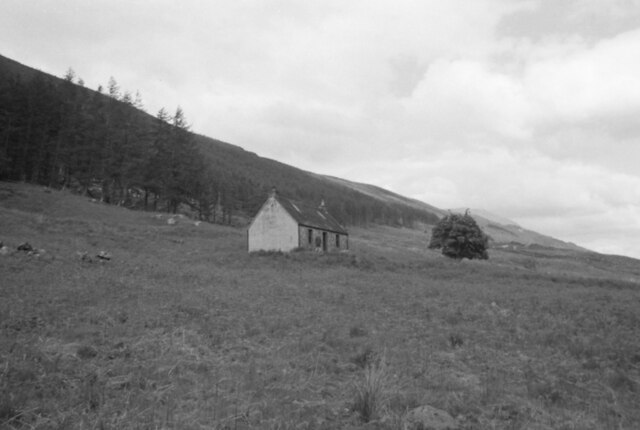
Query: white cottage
{"points": [[283, 225]]}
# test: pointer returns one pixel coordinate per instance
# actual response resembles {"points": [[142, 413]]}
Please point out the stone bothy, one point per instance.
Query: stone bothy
{"points": [[284, 225]]}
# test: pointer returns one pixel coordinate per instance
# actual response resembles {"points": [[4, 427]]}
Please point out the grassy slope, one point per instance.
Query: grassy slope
{"points": [[382, 194], [184, 329]]}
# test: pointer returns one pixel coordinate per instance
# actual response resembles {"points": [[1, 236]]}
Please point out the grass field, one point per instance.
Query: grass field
{"points": [[183, 329]]}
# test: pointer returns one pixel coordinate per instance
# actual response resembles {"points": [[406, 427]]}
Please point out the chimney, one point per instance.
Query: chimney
{"points": [[273, 192], [322, 207]]}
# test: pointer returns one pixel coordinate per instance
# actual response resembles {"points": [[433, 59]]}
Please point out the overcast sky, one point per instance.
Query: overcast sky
{"points": [[529, 109]]}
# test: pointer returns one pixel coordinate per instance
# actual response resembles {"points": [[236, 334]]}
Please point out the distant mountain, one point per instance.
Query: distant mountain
{"points": [[507, 233], [489, 216]]}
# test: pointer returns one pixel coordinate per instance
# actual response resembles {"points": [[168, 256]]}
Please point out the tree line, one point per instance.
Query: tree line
{"points": [[58, 133], [63, 135]]}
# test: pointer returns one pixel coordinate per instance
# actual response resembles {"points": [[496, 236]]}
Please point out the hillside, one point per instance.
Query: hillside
{"points": [[60, 134], [352, 205], [181, 328], [384, 195], [102, 142]]}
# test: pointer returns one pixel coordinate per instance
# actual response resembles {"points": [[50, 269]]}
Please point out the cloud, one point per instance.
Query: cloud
{"points": [[587, 82], [462, 100], [590, 19]]}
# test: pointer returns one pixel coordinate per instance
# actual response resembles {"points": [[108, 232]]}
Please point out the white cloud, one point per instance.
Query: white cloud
{"points": [[588, 82], [461, 100]]}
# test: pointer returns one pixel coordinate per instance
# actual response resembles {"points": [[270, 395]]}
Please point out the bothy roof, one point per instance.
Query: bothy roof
{"points": [[308, 216]]}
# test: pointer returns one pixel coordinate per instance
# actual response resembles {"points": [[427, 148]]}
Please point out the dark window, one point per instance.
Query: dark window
{"points": [[337, 241], [310, 236]]}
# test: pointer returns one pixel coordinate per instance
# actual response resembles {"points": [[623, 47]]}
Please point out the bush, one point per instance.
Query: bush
{"points": [[459, 236]]}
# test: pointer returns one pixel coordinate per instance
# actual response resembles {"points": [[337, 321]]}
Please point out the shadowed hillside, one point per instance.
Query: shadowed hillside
{"points": [[55, 132]]}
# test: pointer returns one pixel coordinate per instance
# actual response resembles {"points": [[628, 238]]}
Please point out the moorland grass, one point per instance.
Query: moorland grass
{"points": [[183, 329]]}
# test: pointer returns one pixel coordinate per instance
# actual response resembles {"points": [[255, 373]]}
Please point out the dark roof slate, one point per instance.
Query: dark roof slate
{"points": [[311, 217]]}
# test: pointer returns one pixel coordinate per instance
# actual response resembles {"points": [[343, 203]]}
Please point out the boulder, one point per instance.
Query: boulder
{"points": [[26, 247], [429, 418], [104, 256]]}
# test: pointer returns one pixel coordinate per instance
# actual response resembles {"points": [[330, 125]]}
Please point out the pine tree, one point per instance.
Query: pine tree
{"points": [[113, 88], [137, 102], [70, 75]]}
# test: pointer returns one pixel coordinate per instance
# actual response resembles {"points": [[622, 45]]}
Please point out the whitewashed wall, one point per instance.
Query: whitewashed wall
{"points": [[273, 229]]}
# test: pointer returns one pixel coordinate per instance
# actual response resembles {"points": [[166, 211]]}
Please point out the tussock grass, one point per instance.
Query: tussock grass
{"points": [[183, 329], [371, 392]]}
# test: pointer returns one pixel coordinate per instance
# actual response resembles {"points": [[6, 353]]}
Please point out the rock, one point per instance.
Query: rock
{"points": [[4, 250], [429, 418], [26, 247], [171, 221], [84, 256], [104, 256]]}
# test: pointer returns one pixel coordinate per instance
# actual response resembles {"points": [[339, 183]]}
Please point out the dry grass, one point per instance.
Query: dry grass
{"points": [[371, 395], [183, 329]]}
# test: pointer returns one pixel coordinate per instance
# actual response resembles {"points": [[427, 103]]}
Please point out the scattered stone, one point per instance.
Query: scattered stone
{"points": [[30, 250], [84, 256], [26, 247], [429, 418], [104, 256]]}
